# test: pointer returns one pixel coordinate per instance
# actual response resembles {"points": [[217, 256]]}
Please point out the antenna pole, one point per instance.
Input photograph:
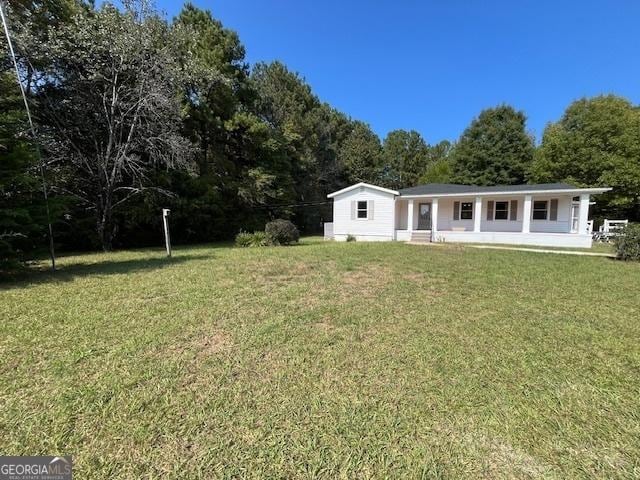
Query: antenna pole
{"points": [[52, 253]]}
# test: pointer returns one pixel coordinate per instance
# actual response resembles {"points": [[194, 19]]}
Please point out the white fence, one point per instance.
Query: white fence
{"points": [[328, 231], [610, 226]]}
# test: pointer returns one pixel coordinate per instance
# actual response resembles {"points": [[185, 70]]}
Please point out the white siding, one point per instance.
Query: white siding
{"points": [[502, 225], [381, 227], [561, 225], [401, 214], [445, 214]]}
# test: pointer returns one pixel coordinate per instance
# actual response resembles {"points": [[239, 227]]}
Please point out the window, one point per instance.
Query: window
{"points": [[362, 209], [540, 210], [501, 211], [466, 211]]}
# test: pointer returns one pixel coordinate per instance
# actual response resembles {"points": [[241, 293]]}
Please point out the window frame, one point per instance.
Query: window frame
{"points": [[470, 211], [547, 205], [365, 209], [507, 211]]}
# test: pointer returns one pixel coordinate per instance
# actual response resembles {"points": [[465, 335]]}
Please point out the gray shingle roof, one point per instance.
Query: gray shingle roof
{"points": [[449, 188]]}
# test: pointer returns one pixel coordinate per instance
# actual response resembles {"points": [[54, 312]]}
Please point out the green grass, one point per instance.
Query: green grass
{"points": [[348, 360]]}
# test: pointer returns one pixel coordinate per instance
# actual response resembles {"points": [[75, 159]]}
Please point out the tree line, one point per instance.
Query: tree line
{"points": [[135, 113]]}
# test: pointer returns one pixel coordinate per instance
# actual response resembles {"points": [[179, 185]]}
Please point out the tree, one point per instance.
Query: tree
{"points": [[212, 60], [111, 109], [405, 158], [22, 210], [361, 154], [311, 133], [495, 149], [595, 143], [439, 168], [19, 185]]}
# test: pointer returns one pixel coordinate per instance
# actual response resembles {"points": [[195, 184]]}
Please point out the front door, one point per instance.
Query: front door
{"points": [[575, 210], [424, 216]]}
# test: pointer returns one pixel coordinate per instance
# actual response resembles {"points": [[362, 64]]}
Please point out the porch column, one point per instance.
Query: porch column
{"points": [[410, 215], [434, 216], [477, 214], [583, 214], [526, 214]]}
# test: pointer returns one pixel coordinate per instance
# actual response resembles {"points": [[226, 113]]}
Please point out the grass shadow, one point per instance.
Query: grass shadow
{"points": [[68, 272]]}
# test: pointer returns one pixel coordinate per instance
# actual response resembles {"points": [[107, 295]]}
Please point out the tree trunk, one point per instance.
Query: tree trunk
{"points": [[104, 224]]}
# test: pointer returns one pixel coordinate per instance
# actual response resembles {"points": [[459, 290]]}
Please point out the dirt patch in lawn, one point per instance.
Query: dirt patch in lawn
{"points": [[366, 282], [196, 348], [207, 345], [280, 273], [324, 326]]}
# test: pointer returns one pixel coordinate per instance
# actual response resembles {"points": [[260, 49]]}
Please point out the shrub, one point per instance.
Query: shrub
{"points": [[628, 242], [351, 238], [255, 239], [281, 232]]}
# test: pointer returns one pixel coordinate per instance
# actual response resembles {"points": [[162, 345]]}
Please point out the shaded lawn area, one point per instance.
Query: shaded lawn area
{"points": [[324, 360]]}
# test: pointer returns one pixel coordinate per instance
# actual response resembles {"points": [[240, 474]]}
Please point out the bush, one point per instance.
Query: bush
{"points": [[281, 232], [628, 243], [351, 238], [255, 239]]}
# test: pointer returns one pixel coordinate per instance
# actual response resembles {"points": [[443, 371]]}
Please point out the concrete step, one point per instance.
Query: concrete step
{"points": [[421, 236]]}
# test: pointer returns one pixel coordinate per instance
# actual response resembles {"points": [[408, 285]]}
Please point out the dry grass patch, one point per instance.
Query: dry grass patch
{"points": [[196, 348], [278, 271], [365, 282]]}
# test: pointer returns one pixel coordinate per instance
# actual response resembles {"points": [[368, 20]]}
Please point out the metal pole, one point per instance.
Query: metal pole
{"points": [[165, 223], [52, 253]]}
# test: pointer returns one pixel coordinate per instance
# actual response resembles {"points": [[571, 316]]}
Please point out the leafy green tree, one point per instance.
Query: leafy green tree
{"points": [[19, 186], [22, 210], [495, 149], [406, 156], [311, 133], [110, 108], [439, 167], [595, 143], [361, 154], [241, 163], [215, 77]]}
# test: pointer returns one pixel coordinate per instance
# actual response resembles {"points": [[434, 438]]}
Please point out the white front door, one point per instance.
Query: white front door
{"points": [[575, 212]]}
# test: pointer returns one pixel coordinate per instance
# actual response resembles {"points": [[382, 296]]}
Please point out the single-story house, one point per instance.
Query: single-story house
{"points": [[550, 214]]}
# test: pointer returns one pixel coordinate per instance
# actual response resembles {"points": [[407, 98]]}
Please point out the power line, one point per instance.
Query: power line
{"points": [[291, 205], [33, 134]]}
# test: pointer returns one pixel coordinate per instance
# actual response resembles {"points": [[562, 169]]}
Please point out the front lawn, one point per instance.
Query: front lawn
{"points": [[326, 360]]}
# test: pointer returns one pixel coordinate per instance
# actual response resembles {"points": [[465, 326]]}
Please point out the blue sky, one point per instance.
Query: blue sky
{"points": [[433, 65]]}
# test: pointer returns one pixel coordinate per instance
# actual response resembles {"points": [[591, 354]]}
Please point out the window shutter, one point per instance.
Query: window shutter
{"points": [[370, 210], [456, 210], [553, 214], [353, 209], [514, 210], [490, 210]]}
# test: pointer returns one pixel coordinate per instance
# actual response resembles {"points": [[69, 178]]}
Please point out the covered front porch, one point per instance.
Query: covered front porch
{"points": [[541, 219]]}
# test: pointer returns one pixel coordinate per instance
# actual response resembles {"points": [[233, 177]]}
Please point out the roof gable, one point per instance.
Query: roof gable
{"points": [[365, 185]]}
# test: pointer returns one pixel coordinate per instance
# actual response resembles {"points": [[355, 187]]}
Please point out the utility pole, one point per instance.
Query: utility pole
{"points": [[52, 253]]}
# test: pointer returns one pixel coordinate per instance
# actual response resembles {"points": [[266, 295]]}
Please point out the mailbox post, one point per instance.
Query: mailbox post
{"points": [[165, 224]]}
